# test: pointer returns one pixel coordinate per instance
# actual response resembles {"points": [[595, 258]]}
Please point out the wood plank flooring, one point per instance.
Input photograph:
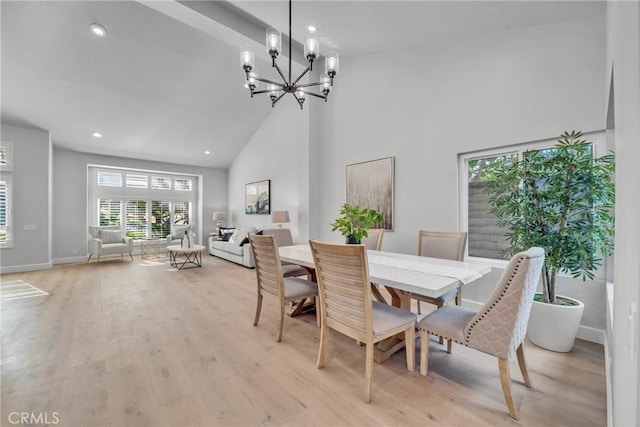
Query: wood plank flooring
{"points": [[137, 343]]}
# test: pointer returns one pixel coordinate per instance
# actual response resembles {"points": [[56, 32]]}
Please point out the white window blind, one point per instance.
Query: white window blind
{"points": [[160, 219], [109, 179], [109, 212], [136, 219], [6, 234], [160, 183], [181, 212], [137, 181], [182, 184]]}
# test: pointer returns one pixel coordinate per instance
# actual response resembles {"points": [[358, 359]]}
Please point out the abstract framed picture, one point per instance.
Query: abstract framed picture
{"points": [[257, 198], [371, 185]]}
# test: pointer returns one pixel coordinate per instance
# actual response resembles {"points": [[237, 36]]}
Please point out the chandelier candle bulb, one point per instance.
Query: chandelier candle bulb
{"points": [[311, 46], [331, 64], [274, 42], [247, 59]]}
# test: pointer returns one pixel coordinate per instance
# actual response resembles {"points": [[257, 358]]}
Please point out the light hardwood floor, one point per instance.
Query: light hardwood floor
{"points": [[128, 343]]}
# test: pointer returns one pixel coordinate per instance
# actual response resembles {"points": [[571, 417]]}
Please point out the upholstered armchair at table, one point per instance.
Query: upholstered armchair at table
{"points": [[499, 327], [109, 240], [177, 233]]}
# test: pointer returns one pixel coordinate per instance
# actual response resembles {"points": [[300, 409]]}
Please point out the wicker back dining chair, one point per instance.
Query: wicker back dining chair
{"points": [[271, 281], [499, 327], [346, 305]]}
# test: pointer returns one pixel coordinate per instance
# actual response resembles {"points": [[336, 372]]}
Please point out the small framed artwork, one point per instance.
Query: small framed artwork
{"points": [[371, 185], [257, 199], [6, 156]]}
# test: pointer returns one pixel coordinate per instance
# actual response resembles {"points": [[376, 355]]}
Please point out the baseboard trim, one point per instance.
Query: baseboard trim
{"points": [[70, 260], [591, 334], [586, 333], [23, 268]]}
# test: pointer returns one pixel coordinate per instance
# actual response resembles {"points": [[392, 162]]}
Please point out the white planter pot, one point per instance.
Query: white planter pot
{"points": [[554, 327]]}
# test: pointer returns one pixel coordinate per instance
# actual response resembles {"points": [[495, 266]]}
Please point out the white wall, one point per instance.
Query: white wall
{"points": [[623, 57], [31, 199], [70, 190], [277, 151]]}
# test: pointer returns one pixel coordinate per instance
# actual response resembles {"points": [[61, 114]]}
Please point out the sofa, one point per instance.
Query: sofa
{"points": [[109, 240], [237, 249]]}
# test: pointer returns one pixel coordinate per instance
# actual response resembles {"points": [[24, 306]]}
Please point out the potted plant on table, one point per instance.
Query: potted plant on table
{"points": [[560, 199], [355, 221]]}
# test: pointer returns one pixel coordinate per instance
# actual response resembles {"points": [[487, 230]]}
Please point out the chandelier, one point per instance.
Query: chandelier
{"points": [[277, 90]]}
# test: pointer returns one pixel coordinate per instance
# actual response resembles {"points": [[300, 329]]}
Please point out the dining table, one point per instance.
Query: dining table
{"points": [[402, 275]]}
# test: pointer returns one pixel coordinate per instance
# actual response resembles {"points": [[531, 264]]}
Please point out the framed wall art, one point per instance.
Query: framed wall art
{"points": [[371, 185], [257, 199]]}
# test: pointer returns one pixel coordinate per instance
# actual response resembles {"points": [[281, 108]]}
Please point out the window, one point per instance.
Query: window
{"points": [[160, 219], [137, 181], [6, 229], [136, 219], [143, 203], [181, 212], [182, 184], [160, 183], [486, 239], [6, 156], [109, 212], [109, 179]]}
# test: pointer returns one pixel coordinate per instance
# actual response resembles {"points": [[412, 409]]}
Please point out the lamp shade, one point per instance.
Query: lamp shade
{"points": [[218, 216], [279, 217]]}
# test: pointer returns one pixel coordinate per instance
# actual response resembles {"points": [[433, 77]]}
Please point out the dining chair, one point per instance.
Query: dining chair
{"points": [[373, 241], [443, 245], [346, 305], [283, 237], [499, 327], [271, 281]]}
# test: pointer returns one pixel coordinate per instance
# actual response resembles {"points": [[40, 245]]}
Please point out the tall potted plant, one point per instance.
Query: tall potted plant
{"points": [[560, 199], [355, 221]]}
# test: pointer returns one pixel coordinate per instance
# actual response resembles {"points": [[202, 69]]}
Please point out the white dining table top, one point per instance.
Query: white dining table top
{"points": [[431, 277]]}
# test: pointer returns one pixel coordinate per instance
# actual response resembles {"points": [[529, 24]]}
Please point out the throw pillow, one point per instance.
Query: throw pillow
{"points": [[244, 241], [233, 237], [227, 235], [239, 238], [110, 236]]}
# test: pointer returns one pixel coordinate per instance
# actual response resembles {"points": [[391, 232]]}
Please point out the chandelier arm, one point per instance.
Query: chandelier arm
{"points": [[255, 92], [278, 98], [301, 75], [275, 65], [314, 94], [310, 84], [269, 81]]}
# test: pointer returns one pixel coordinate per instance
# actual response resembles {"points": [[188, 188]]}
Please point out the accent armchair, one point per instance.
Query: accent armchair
{"points": [[177, 233], [109, 240]]}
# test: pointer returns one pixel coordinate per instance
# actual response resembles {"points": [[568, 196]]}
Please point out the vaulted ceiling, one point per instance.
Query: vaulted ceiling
{"points": [[165, 84]]}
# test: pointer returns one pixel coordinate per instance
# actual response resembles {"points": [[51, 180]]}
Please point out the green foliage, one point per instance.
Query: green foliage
{"points": [[355, 221], [560, 199]]}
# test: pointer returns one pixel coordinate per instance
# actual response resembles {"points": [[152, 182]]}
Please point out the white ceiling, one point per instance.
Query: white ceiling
{"points": [[166, 84]]}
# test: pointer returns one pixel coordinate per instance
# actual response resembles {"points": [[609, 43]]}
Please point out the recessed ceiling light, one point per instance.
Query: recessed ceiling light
{"points": [[98, 30], [312, 29], [97, 135], [207, 151]]}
